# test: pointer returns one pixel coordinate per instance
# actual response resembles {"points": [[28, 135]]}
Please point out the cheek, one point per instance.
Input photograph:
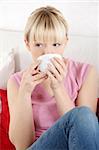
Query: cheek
{"points": [[61, 51], [36, 53]]}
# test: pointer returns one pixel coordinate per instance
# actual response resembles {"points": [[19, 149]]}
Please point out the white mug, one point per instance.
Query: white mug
{"points": [[45, 60]]}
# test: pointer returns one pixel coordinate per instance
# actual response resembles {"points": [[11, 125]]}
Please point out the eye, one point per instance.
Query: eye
{"points": [[38, 45], [56, 44]]}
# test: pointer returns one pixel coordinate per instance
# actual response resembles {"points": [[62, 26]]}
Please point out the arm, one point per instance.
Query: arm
{"points": [[22, 130], [88, 93], [21, 125], [64, 103]]}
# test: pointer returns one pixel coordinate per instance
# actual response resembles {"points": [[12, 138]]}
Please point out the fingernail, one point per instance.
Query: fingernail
{"points": [[52, 59], [43, 73], [49, 65], [46, 77]]}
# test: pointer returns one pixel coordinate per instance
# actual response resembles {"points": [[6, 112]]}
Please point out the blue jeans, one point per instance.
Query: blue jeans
{"points": [[77, 129]]}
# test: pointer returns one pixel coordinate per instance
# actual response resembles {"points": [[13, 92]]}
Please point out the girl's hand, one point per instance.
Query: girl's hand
{"points": [[57, 72], [30, 78]]}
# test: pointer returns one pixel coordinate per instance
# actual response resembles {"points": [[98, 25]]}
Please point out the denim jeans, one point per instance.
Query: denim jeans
{"points": [[77, 129]]}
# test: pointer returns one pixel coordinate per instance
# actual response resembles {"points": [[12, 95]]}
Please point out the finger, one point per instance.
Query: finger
{"points": [[34, 72], [65, 60], [61, 62], [51, 76], [39, 81], [57, 66], [38, 76], [34, 65], [61, 70], [54, 71]]}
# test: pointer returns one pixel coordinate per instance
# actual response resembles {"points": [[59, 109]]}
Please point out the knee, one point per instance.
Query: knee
{"points": [[80, 116], [84, 127], [85, 118], [85, 112]]}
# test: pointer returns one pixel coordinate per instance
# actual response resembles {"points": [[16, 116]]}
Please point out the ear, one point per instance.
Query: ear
{"points": [[27, 44], [66, 41]]}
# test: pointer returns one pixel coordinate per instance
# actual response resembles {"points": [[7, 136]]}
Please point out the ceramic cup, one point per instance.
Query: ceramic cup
{"points": [[45, 60]]}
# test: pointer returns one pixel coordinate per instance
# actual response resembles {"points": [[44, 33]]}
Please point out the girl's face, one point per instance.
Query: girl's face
{"points": [[38, 48]]}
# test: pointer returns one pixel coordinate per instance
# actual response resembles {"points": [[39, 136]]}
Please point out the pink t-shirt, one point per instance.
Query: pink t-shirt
{"points": [[44, 106]]}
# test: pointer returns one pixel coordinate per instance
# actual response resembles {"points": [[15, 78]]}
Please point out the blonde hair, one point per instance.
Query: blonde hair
{"points": [[46, 24]]}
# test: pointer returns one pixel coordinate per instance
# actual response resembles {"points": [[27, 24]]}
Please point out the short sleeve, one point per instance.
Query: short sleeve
{"points": [[76, 75], [81, 73], [16, 77]]}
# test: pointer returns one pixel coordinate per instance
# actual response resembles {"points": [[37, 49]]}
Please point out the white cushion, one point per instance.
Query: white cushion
{"points": [[7, 67]]}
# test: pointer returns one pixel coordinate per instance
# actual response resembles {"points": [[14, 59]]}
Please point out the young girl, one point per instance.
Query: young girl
{"points": [[54, 110]]}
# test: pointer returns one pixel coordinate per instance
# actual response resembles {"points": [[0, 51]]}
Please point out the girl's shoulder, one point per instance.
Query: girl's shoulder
{"points": [[78, 66], [78, 71], [75, 63]]}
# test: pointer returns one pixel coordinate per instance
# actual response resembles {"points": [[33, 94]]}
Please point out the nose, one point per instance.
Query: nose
{"points": [[48, 49]]}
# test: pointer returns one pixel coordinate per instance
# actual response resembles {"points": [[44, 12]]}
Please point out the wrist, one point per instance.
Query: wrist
{"points": [[59, 88], [24, 95]]}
